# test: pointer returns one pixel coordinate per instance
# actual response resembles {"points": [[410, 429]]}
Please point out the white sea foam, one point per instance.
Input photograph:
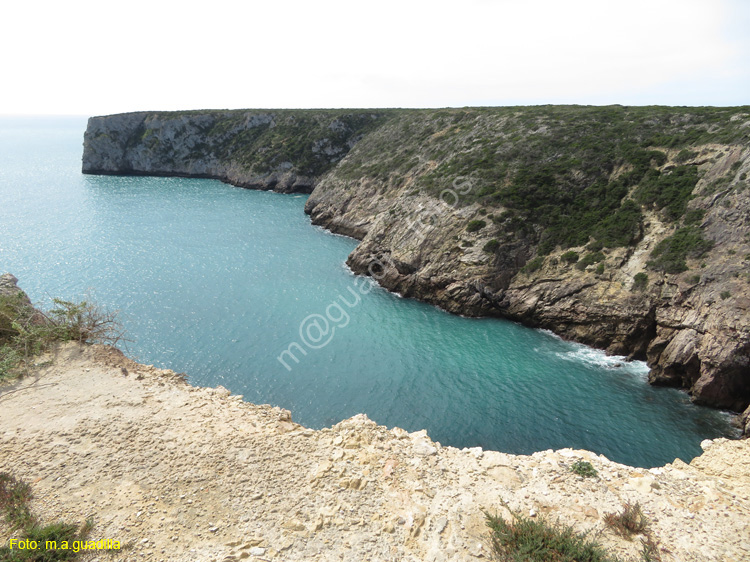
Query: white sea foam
{"points": [[588, 355]]}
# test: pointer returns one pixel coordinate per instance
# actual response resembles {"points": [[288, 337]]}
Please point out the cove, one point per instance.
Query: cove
{"points": [[218, 281]]}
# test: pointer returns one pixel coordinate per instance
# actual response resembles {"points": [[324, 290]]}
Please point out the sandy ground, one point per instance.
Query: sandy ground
{"points": [[191, 474]]}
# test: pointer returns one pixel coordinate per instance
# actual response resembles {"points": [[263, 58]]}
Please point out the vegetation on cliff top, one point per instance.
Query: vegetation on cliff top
{"points": [[308, 142], [556, 175], [25, 332], [564, 174], [14, 506]]}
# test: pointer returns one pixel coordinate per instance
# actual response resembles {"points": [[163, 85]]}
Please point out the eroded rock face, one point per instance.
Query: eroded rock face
{"points": [[9, 288], [694, 332], [245, 148], [8, 284]]}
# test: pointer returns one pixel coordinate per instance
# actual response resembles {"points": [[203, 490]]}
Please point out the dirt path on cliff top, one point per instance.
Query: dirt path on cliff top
{"points": [[192, 474]]}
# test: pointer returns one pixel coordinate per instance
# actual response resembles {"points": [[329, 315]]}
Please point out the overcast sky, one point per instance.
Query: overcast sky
{"points": [[97, 57]]}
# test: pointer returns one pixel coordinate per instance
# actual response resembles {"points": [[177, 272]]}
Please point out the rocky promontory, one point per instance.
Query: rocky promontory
{"points": [[623, 228], [280, 150]]}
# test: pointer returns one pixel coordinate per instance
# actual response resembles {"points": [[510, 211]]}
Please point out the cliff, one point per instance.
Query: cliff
{"points": [[178, 473], [623, 228], [283, 150]]}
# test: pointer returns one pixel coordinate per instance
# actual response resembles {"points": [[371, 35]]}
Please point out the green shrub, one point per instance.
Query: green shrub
{"points": [[590, 259], [600, 269], [684, 155], [569, 257], [26, 332], [491, 246], [533, 265], [668, 191], [475, 225], [725, 295], [536, 540], [640, 282], [621, 228], [14, 505], [584, 468], [670, 254], [693, 217]]}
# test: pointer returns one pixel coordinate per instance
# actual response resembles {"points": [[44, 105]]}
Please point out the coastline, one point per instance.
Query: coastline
{"points": [[378, 181]]}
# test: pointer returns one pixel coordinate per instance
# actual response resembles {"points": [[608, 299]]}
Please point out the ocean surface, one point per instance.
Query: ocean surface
{"points": [[236, 288]]}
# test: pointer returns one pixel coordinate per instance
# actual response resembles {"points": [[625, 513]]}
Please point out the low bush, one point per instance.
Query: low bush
{"points": [[584, 468], [630, 521], [26, 332], [475, 225], [491, 246], [569, 257], [640, 282], [668, 191], [533, 265], [536, 540], [693, 217], [14, 505], [589, 259], [670, 254]]}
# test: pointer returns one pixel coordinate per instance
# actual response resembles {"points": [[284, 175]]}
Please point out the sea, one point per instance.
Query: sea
{"points": [[236, 287]]}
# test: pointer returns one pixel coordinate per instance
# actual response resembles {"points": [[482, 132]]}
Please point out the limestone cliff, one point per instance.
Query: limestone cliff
{"points": [[623, 228], [283, 150]]}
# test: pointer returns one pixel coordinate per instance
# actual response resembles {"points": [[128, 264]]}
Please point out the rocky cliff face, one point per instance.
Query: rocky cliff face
{"points": [[623, 228], [283, 150]]}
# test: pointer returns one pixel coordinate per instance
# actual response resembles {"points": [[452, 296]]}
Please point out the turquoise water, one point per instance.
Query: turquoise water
{"points": [[215, 281]]}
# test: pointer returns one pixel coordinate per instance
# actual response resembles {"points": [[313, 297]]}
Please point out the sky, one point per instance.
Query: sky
{"points": [[84, 57]]}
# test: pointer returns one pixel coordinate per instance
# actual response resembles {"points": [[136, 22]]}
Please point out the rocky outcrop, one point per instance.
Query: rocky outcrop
{"points": [[9, 287], [15, 306], [283, 150], [471, 210]]}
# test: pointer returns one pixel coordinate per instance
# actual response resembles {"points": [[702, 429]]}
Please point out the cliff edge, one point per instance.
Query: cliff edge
{"points": [[178, 473]]}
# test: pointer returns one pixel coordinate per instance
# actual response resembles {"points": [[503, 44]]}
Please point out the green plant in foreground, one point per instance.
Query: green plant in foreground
{"points": [[584, 468], [26, 332], [535, 540], [14, 505]]}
